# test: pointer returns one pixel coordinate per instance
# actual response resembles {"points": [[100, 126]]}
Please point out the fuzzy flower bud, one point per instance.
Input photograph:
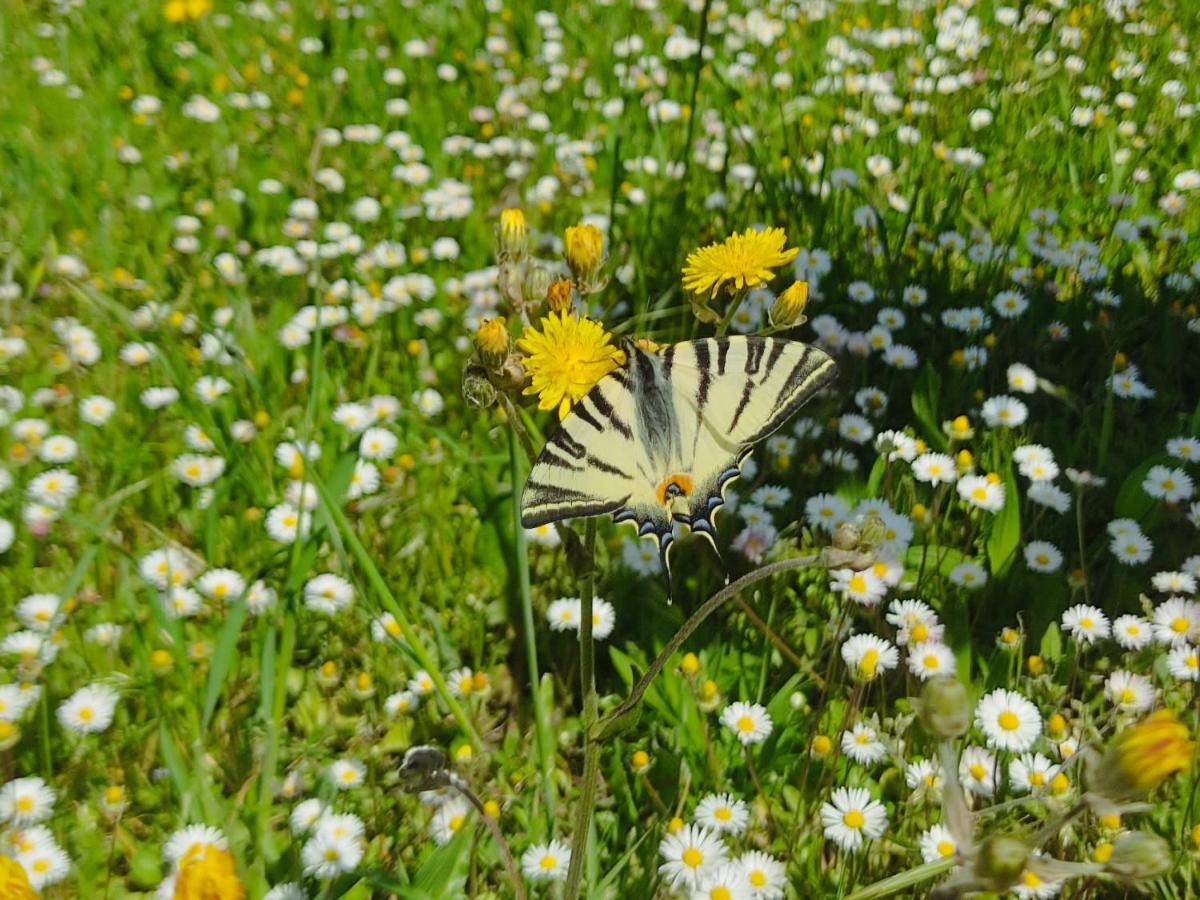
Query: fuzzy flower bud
{"points": [[492, 342], [584, 249], [1139, 855], [512, 236], [788, 308], [945, 708], [537, 282], [559, 296]]}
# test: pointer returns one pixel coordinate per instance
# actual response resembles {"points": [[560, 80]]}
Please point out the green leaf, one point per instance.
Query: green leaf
{"points": [[875, 479], [1005, 536], [925, 395], [223, 656], [1051, 646], [444, 873]]}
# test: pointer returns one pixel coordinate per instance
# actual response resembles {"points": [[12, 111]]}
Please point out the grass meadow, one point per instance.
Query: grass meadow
{"points": [[292, 295]]}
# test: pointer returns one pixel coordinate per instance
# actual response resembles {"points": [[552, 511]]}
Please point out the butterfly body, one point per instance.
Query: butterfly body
{"points": [[657, 441]]}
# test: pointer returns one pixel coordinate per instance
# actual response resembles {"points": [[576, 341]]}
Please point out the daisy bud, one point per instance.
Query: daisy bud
{"points": [[478, 391], [584, 249], [788, 308], [559, 296], [945, 708], [1139, 855], [640, 761], [1142, 757], [492, 342], [512, 235]]}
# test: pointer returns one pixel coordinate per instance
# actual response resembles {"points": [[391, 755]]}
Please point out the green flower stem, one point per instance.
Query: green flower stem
{"points": [[545, 746], [711, 605], [591, 706], [388, 600], [904, 880]]}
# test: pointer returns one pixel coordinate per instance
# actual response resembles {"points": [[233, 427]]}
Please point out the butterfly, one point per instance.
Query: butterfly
{"points": [[659, 439]]}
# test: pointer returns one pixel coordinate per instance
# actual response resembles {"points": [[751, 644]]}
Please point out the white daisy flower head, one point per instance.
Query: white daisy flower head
{"points": [[1008, 720], [1021, 378], [1031, 773], [26, 801], [401, 703], [935, 468], [461, 682], [984, 492], [862, 744], [1130, 692], [851, 818], [546, 862], [305, 815], [191, 838], [421, 684], [931, 658], [915, 621], [328, 593], [345, 774], [224, 585], [923, 775], [38, 611], [1171, 485], [1132, 632], [326, 856], [1004, 411], [89, 710], [726, 881], [690, 854], [1086, 624], [868, 656], [937, 843], [865, 587], [749, 722], [970, 575], [977, 771], [448, 820], [1043, 557], [765, 875], [1174, 582], [1176, 621], [1183, 662], [722, 813]]}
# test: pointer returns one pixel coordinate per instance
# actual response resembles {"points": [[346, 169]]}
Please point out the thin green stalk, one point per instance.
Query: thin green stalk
{"points": [[388, 600], [543, 738], [904, 880], [591, 709]]}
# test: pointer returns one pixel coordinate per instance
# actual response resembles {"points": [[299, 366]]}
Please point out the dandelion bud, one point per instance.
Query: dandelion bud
{"points": [[534, 286], [788, 308], [492, 342], [945, 708], [1139, 855], [1000, 861], [584, 248], [478, 391], [559, 296], [512, 236], [1142, 757]]}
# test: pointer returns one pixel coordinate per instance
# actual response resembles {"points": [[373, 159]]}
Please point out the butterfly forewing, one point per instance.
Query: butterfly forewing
{"points": [[586, 467]]}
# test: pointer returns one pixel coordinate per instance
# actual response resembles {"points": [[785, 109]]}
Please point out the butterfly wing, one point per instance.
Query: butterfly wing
{"points": [[740, 391], [658, 440], [585, 469]]}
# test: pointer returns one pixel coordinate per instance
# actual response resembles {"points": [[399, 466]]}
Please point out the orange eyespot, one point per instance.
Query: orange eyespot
{"points": [[673, 486]]}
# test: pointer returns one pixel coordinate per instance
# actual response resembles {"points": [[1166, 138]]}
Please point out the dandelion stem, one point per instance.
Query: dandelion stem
{"points": [[711, 605], [545, 750], [591, 746]]}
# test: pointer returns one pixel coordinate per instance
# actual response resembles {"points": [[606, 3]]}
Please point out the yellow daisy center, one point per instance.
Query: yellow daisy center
{"points": [[854, 819]]}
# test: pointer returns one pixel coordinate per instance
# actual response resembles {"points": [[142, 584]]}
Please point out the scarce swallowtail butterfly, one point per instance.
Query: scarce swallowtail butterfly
{"points": [[658, 440]]}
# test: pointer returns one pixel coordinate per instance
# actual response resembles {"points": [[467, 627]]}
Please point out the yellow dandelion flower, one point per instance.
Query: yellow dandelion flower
{"points": [[566, 359], [14, 882], [208, 873], [742, 261], [1143, 756]]}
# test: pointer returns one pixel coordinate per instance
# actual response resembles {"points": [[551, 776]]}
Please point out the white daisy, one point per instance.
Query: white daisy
{"points": [[937, 843], [690, 854], [722, 813], [1132, 632], [977, 771], [1085, 623], [765, 875], [1008, 720], [546, 862], [748, 721], [862, 744], [929, 659], [868, 656], [1031, 773], [1129, 692], [851, 818]]}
